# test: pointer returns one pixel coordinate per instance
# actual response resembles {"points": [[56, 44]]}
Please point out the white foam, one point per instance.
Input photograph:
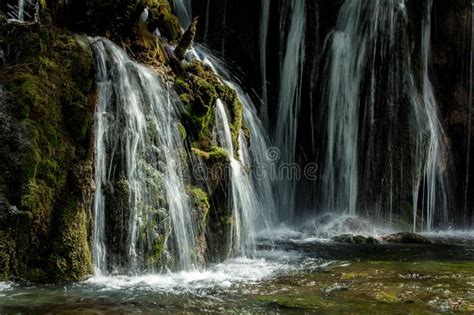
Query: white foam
{"points": [[5, 286], [220, 276]]}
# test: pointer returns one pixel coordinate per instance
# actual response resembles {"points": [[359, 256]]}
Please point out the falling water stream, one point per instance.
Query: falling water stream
{"points": [[364, 57], [288, 107], [136, 151]]}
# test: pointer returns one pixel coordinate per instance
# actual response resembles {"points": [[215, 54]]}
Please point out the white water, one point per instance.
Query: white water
{"points": [[362, 51], [434, 189], [17, 12], [243, 199], [253, 157], [256, 158], [21, 10], [184, 12], [220, 276], [136, 144], [289, 98]]}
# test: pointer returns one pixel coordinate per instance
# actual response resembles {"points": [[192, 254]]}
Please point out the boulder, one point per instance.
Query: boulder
{"points": [[406, 238]]}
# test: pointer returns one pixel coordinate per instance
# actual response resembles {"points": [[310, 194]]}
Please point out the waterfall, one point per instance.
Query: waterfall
{"points": [[289, 98], [258, 160], [142, 216], [382, 136], [434, 188], [183, 10], [21, 10], [264, 20], [243, 199], [262, 164], [251, 180], [17, 12]]}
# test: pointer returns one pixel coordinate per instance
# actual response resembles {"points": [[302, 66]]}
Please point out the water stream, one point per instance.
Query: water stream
{"points": [[289, 99], [137, 170]]}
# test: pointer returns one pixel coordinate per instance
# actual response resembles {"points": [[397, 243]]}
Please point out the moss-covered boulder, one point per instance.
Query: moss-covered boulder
{"points": [[47, 104]]}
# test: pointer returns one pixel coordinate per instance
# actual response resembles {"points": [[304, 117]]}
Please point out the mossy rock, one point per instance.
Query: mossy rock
{"points": [[406, 238], [354, 239], [48, 80]]}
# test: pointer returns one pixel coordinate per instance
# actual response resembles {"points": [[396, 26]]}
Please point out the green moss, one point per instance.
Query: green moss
{"points": [[168, 23], [182, 131], [158, 249], [50, 85], [71, 258], [200, 202], [215, 155]]}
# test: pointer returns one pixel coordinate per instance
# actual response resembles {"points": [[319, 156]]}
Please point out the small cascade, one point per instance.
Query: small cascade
{"points": [[259, 162], [434, 185], [289, 99], [243, 200], [257, 158], [183, 11], [384, 141], [23, 11], [142, 217]]}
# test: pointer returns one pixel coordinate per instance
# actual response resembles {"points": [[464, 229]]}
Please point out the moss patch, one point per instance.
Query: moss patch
{"points": [[49, 79]]}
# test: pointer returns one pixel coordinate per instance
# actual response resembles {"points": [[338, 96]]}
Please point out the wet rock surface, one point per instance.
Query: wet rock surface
{"points": [[354, 239], [406, 238]]}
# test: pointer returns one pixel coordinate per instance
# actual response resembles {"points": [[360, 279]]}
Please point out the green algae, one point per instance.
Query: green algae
{"points": [[389, 287]]}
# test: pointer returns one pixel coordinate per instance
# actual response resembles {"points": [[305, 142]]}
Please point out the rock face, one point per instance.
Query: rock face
{"points": [[47, 103]]}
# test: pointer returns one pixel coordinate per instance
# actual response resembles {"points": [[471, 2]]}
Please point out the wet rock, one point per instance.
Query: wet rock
{"points": [[186, 40], [354, 239], [406, 238]]}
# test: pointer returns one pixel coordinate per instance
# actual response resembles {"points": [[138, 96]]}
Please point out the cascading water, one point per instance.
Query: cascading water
{"points": [[252, 196], [434, 189], [143, 219], [261, 163], [289, 99], [21, 10], [183, 11], [18, 12], [243, 229], [382, 137]]}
